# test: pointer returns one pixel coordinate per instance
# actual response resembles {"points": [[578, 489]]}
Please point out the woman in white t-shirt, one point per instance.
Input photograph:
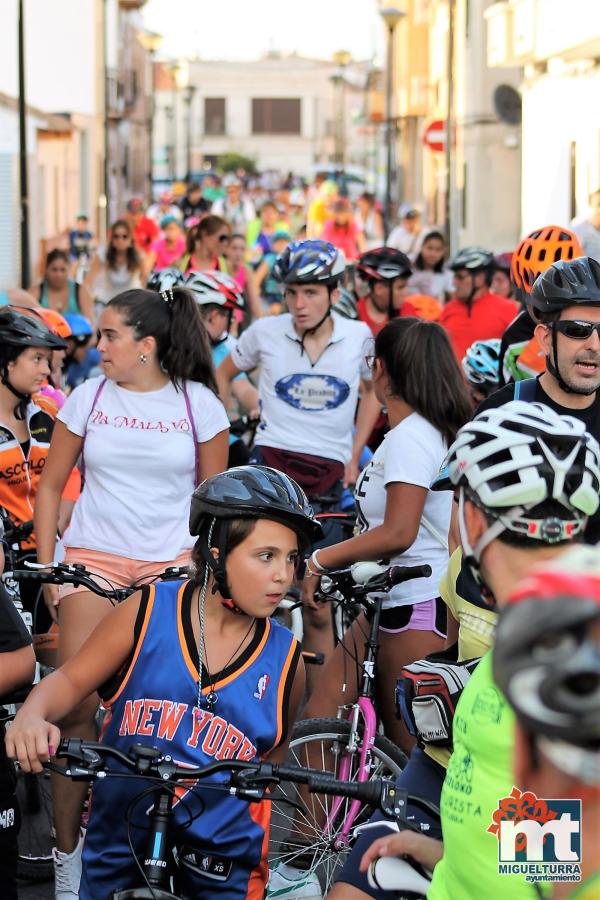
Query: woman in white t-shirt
{"points": [[402, 522], [430, 275], [147, 431]]}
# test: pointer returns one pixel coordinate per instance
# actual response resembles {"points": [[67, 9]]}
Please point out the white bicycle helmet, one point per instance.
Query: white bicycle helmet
{"points": [[547, 662], [214, 287], [481, 363], [510, 460]]}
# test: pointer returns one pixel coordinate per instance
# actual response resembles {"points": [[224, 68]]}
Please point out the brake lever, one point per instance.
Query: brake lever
{"points": [[72, 749]]}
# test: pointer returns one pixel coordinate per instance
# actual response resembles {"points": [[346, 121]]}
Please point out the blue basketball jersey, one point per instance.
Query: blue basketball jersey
{"points": [[154, 704]]}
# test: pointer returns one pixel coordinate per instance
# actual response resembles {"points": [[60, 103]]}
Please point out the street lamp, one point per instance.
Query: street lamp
{"points": [[341, 58], [181, 74], [151, 42], [391, 15], [23, 182], [188, 97]]}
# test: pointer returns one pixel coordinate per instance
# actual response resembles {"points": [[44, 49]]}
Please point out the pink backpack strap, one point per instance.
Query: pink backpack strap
{"points": [[94, 401], [188, 407]]}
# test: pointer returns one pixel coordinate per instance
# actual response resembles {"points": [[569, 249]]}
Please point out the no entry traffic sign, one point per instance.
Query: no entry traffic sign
{"points": [[434, 136]]}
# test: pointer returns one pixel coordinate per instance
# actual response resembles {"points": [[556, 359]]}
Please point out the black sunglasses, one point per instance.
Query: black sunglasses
{"points": [[224, 238], [576, 329]]}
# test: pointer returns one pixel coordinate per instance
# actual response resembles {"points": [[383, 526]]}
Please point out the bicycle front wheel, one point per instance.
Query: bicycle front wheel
{"points": [[298, 837]]}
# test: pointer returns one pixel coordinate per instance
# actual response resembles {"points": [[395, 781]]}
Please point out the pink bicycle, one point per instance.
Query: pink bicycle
{"points": [[315, 833]]}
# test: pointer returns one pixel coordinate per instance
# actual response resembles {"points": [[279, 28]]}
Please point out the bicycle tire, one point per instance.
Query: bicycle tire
{"points": [[317, 855], [36, 835]]}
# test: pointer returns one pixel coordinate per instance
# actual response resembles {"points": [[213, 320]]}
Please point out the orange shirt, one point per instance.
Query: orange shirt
{"points": [[20, 474]]}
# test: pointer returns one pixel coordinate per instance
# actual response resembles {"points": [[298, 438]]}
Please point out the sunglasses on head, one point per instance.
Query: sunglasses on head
{"points": [[576, 329]]}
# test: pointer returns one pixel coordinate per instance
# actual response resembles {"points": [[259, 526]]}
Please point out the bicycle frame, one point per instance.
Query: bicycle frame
{"points": [[363, 709]]}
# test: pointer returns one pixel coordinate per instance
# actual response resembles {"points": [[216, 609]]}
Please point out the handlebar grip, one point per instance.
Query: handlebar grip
{"points": [[366, 791], [398, 875], [398, 574]]}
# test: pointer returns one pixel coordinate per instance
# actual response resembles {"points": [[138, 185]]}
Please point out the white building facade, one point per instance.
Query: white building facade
{"points": [[283, 112], [558, 46]]}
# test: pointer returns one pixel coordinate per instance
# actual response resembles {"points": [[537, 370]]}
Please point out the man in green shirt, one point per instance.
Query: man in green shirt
{"points": [[527, 480], [547, 662]]}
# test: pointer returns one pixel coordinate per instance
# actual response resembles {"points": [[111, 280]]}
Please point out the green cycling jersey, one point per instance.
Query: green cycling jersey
{"points": [[479, 774]]}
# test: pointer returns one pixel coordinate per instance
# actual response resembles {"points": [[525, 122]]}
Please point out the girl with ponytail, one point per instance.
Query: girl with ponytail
{"points": [[147, 432], [402, 522]]}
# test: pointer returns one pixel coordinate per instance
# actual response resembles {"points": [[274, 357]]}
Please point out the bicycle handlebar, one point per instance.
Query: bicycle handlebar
{"points": [[14, 534], [245, 423], [382, 581], [249, 780], [79, 576]]}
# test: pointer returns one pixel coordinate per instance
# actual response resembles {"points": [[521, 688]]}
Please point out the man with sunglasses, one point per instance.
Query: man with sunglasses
{"points": [[565, 305]]}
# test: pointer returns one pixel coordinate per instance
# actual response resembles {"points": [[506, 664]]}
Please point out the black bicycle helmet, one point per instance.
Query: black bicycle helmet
{"points": [[165, 280], [247, 492], [472, 258], [547, 662], [20, 330], [309, 262], [384, 264], [566, 283], [256, 492]]}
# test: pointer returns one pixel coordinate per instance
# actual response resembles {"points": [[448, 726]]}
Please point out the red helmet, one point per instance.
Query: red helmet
{"points": [[214, 287]]}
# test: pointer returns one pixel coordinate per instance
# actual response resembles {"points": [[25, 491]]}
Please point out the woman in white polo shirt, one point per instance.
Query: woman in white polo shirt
{"points": [[147, 432]]}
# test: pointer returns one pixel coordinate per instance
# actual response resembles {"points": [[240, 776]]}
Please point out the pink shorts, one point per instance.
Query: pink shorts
{"points": [[430, 615], [119, 570]]}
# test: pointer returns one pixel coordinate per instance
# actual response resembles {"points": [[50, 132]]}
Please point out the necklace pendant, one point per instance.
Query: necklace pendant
{"points": [[211, 699]]}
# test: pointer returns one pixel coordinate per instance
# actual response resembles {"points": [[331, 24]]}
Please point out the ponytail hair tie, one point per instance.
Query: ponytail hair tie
{"points": [[167, 296]]}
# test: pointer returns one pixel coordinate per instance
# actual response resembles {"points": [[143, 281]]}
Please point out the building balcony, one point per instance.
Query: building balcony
{"points": [[528, 31], [131, 4]]}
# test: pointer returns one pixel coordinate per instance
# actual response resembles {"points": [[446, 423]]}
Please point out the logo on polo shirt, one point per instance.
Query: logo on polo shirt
{"points": [[312, 393]]}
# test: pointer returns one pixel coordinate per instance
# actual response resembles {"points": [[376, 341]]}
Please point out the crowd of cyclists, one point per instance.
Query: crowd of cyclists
{"points": [[456, 399]]}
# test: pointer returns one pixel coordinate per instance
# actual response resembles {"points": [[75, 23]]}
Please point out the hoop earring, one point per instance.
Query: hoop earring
{"points": [[143, 358]]}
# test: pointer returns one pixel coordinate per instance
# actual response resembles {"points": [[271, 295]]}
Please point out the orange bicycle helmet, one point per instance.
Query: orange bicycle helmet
{"points": [[425, 307], [537, 252], [55, 322], [50, 317]]}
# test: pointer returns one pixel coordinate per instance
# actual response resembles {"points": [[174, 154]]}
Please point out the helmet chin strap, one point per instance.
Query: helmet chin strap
{"points": [[471, 296], [552, 367], [472, 555], [21, 397], [391, 310], [217, 566], [214, 342], [318, 325]]}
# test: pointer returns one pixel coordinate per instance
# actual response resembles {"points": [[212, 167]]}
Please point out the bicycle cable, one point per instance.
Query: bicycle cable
{"points": [[171, 789]]}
